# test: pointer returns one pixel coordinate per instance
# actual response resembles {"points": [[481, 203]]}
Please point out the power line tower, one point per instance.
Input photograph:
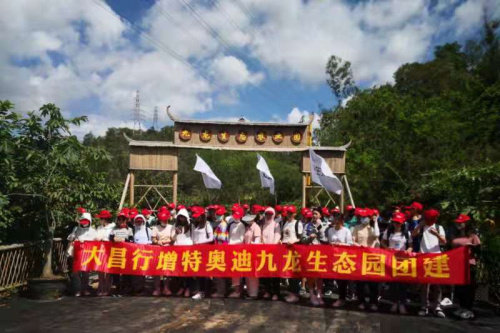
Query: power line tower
{"points": [[137, 113], [155, 119]]}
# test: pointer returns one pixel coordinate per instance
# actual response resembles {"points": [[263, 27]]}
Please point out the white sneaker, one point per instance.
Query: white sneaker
{"points": [[198, 296], [423, 312], [439, 313]]}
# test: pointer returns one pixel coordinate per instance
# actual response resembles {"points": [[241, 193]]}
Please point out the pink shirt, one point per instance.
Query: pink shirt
{"points": [[251, 234], [271, 233]]}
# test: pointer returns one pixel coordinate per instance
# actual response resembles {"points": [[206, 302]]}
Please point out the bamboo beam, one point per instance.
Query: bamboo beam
{"points": [[349, 191], [132, 181], [174, 192], [304, 190]]}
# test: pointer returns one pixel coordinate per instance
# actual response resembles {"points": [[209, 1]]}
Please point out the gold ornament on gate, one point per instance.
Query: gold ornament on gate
{"points": [[242, 137], [278, 137], [260, 137], [296, 138], [223, 136], [205, 135], [185, 135]]}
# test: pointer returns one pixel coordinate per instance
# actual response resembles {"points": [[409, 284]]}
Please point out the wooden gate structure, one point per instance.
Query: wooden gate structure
{"points": [[241, 135]]}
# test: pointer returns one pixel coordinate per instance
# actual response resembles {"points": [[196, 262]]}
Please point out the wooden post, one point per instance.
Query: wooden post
{"points": [[349, 191], [132, 183], [342, 197], [304, 189], [174, 190]]}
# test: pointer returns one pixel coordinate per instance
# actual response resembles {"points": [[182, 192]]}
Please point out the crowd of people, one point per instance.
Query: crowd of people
{"points": [[411, 229]]}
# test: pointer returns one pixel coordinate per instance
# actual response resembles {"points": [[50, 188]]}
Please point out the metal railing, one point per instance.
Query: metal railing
{"points": [[19, 262]]}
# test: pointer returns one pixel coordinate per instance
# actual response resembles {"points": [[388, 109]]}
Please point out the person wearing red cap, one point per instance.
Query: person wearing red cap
{"points": [[102, 234], [415, 219], [236, 231], [253, 235], [246, 208], [277, 217], [291, 233], [314, 234], [466, 235], [350, 218], [432, 237], [366, 234], [337, 235], [162, 235], [202, 234], [271, 234], [221, 236], [82, 233], [397, 237]]}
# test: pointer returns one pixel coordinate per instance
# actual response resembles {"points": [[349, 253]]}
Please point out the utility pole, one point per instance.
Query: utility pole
{"points": [[137, 113], [155, 119]]}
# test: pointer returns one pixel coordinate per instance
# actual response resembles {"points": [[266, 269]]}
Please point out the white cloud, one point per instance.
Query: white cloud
{"points": [[232, 71], [296, 116]]}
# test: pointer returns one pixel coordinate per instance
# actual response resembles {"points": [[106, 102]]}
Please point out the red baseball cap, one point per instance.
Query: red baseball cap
{"points": [[245, 206], [431, 214], [197, 211], [304, 210], [179, 207], [104, 214], [256, 209], [417, 206], [133, 213], [308, 214], [335, 211], [349, 207], [171, 206], [238, 213], [235, 207], [277, 208], [462, 218], [291, 209], [146, 211], [375, 212], [81, 210], [164, 216], [398, 218], [221, 210], [325, 211]]}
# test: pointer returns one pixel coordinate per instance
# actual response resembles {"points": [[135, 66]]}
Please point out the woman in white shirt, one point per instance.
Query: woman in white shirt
{"points": [[83, 232], [339, 235], [103, 232], [398, 238], [182, 236], [162, 235], [202, 233]]}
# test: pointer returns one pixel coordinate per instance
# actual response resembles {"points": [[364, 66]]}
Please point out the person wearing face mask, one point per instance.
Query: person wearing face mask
{"points": [[291, 233], [366, 233], [122, 233], [221, 236], [162, 234], [337, 235], [183, 236], [81, 233], [397, 237], [314, 234], [432, 237], [236, 231], [252, 235], [413, 222], [466, 235], [271, 234], [202, 234], [142, 235], [102, 234]]}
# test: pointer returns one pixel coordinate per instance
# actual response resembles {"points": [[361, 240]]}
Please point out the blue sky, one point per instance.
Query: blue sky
{"points": [[212, 59]]}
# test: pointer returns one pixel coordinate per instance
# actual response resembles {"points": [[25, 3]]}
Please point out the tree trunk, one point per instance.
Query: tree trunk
{"points": [[47, 271]]}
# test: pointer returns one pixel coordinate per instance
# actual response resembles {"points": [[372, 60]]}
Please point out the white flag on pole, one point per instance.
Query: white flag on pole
{"points": [[321, 174], [209, 178], [266, 179]]}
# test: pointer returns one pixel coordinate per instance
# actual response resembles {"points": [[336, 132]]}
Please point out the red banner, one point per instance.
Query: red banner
{"points": [[259, 260]]}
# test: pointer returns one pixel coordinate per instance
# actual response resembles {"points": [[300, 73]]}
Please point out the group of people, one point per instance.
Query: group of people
{"points": [[411, 230]]}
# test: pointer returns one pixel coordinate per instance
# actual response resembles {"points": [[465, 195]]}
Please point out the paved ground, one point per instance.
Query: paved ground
{"points": [[148, 314]]}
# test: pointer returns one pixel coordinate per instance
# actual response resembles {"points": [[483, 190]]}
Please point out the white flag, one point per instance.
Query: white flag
{"points": [[322, 175], [209, 178], [266, 179]]}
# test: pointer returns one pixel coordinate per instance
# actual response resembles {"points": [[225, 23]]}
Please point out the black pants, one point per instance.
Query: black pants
{"points": [[467, 293], [373, 288], [80, 281], [201, 284], [398, 292], [294, 285], [328, 285], [342, 284], [271, 285]]}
